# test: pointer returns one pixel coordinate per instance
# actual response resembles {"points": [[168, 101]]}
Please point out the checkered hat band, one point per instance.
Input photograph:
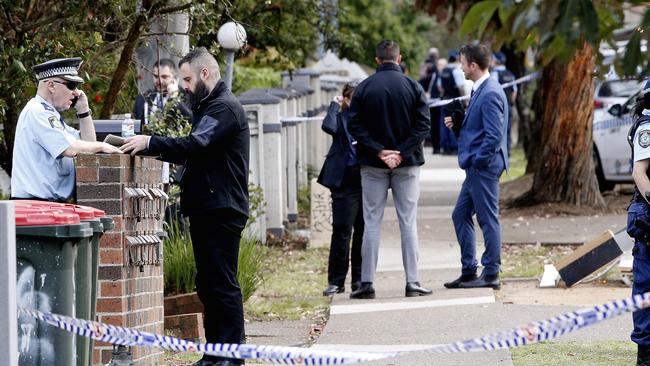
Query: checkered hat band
{"points": [[69, 70], [645, 91]]}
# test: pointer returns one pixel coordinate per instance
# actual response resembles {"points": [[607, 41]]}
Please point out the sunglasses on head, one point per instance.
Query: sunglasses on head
{"points": [[71, 85]]}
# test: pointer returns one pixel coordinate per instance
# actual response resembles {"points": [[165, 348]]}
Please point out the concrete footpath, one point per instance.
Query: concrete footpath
{"points": [[394, 322]]}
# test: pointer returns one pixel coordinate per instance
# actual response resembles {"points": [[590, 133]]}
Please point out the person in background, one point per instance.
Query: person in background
{"points": [[452, 84], [340, 173], [638, 221], [165, 90], [44, 145], [214, 193], [503, 76], [429, 81], [389, 118]]}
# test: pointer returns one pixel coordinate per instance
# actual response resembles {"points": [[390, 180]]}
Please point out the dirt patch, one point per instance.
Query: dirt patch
{"points": [[527, 293], [616, 201]]}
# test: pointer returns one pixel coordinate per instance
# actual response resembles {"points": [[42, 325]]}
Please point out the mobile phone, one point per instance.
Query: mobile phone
{"points": [[74, 101]]}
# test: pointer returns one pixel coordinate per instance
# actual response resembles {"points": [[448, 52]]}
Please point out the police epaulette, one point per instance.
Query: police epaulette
{"points": [[47, 107]]}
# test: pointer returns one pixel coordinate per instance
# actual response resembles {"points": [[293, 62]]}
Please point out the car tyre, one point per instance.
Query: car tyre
{"points": [[604, 185]]}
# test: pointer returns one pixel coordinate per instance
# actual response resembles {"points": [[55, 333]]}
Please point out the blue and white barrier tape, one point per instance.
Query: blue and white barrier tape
{"points": [[437, 102], [516, 337]]}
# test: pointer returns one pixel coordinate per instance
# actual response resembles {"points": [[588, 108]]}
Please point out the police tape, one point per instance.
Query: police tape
{"points": [[527, 334], [437, 102]]}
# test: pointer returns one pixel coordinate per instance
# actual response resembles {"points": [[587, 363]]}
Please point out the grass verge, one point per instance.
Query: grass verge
{"points": [[293, 285], [517, 166], [610, 353]]}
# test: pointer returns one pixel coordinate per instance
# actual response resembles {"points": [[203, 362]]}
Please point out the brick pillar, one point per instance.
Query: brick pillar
{"points": [[130, 289]]}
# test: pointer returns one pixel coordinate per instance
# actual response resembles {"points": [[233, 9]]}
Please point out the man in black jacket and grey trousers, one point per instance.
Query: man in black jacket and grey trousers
{"points": [[214, 193], [389, 118]]}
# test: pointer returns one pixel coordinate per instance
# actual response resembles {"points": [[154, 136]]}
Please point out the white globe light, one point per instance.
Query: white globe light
{"points": [[232, 36]]}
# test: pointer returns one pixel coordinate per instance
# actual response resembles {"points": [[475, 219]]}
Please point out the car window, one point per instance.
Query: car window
{"points": [[619, 88]]}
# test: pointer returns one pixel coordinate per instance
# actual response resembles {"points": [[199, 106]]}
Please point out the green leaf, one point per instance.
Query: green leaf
{"points": [[589, 22], [554, 49], [18, 66], [633, 56], [479, 16]]}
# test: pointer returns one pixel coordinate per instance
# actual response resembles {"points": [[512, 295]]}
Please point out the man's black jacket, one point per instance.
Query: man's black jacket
{"points": [[215, 155], [389, 112]]}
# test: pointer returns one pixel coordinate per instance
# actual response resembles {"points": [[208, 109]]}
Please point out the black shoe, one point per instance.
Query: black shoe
{"points": [[355, 285], [333, 290], [203, 362], [463, 278], [483, 281], [414, 289], [366, 291], [643, 355], [226, 363]]}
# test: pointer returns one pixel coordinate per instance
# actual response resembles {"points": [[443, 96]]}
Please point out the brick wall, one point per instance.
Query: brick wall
{"points": [[130, 289]]}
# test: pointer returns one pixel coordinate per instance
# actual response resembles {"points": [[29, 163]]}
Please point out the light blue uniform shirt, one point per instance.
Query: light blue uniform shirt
{"points": [[39, 168]]}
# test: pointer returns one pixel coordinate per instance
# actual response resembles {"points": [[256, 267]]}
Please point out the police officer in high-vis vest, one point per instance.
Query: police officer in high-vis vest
{"points": [[638, 220], [44, 145]]}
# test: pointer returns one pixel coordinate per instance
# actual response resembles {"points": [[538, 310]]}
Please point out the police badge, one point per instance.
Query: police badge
{"points": [[55, 123]]}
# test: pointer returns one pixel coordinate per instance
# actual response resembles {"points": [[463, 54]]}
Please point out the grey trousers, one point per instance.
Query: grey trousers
{"points": [[405, 185]]}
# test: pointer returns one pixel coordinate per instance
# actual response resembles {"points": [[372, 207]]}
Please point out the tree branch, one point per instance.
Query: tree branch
{"points": [[174, 9]]}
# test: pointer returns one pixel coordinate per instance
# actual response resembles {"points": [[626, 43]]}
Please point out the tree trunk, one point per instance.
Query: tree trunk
{"points": [[125, 58], [565, 172]]}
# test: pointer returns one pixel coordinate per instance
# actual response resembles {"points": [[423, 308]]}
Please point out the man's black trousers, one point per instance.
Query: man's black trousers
{"points": [[347, 213], [215, 240], [435, 128]]}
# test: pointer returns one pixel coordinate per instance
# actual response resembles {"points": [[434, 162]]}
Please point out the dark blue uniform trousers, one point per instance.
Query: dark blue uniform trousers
{"points": [[215, 240], [479, 195], [641, 273], [347, 213]]}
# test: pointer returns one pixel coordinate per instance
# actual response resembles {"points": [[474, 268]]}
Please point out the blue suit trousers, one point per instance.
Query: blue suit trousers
{"points": [[480, 195], [641, 285]]}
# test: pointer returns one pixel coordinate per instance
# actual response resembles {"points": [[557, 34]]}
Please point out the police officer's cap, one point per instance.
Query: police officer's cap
{"points": [[500, 57], [646, 88], [65, 68]]}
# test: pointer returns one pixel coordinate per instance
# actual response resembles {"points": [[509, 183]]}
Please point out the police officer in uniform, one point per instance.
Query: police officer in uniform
{"points": [[44, 145], [503, 75], [638, 221]]}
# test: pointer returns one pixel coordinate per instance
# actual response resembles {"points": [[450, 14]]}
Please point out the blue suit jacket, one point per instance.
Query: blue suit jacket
{"points": [[483, 135]]}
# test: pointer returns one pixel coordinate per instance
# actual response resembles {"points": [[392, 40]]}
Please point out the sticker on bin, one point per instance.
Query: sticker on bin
{"points": [[516, 337]]}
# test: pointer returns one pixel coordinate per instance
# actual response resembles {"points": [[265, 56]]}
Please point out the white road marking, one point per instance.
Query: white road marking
{"points": [[390, 306]]}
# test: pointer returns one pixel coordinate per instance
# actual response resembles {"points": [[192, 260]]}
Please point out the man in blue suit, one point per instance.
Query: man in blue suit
{"points": [[483, 154]]}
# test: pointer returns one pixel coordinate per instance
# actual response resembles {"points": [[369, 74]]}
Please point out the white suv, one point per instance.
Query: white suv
{"points": [[611, 151]]}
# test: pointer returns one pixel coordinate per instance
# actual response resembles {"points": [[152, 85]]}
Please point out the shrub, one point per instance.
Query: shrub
{"points": [[179, 266]]}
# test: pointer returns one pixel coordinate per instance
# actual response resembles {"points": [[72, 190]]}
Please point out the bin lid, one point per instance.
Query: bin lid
{"points": [[31, 217], [84, 212]]}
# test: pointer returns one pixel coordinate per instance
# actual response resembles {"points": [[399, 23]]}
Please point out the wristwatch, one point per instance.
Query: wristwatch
{"points": [[84, 114]]}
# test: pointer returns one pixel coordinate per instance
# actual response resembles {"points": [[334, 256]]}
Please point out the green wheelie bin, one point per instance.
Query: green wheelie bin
{"points": [[47, 240]]}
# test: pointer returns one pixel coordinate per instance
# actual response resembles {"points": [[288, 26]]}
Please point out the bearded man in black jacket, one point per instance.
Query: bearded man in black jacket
{"points": [[214, 193]]}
